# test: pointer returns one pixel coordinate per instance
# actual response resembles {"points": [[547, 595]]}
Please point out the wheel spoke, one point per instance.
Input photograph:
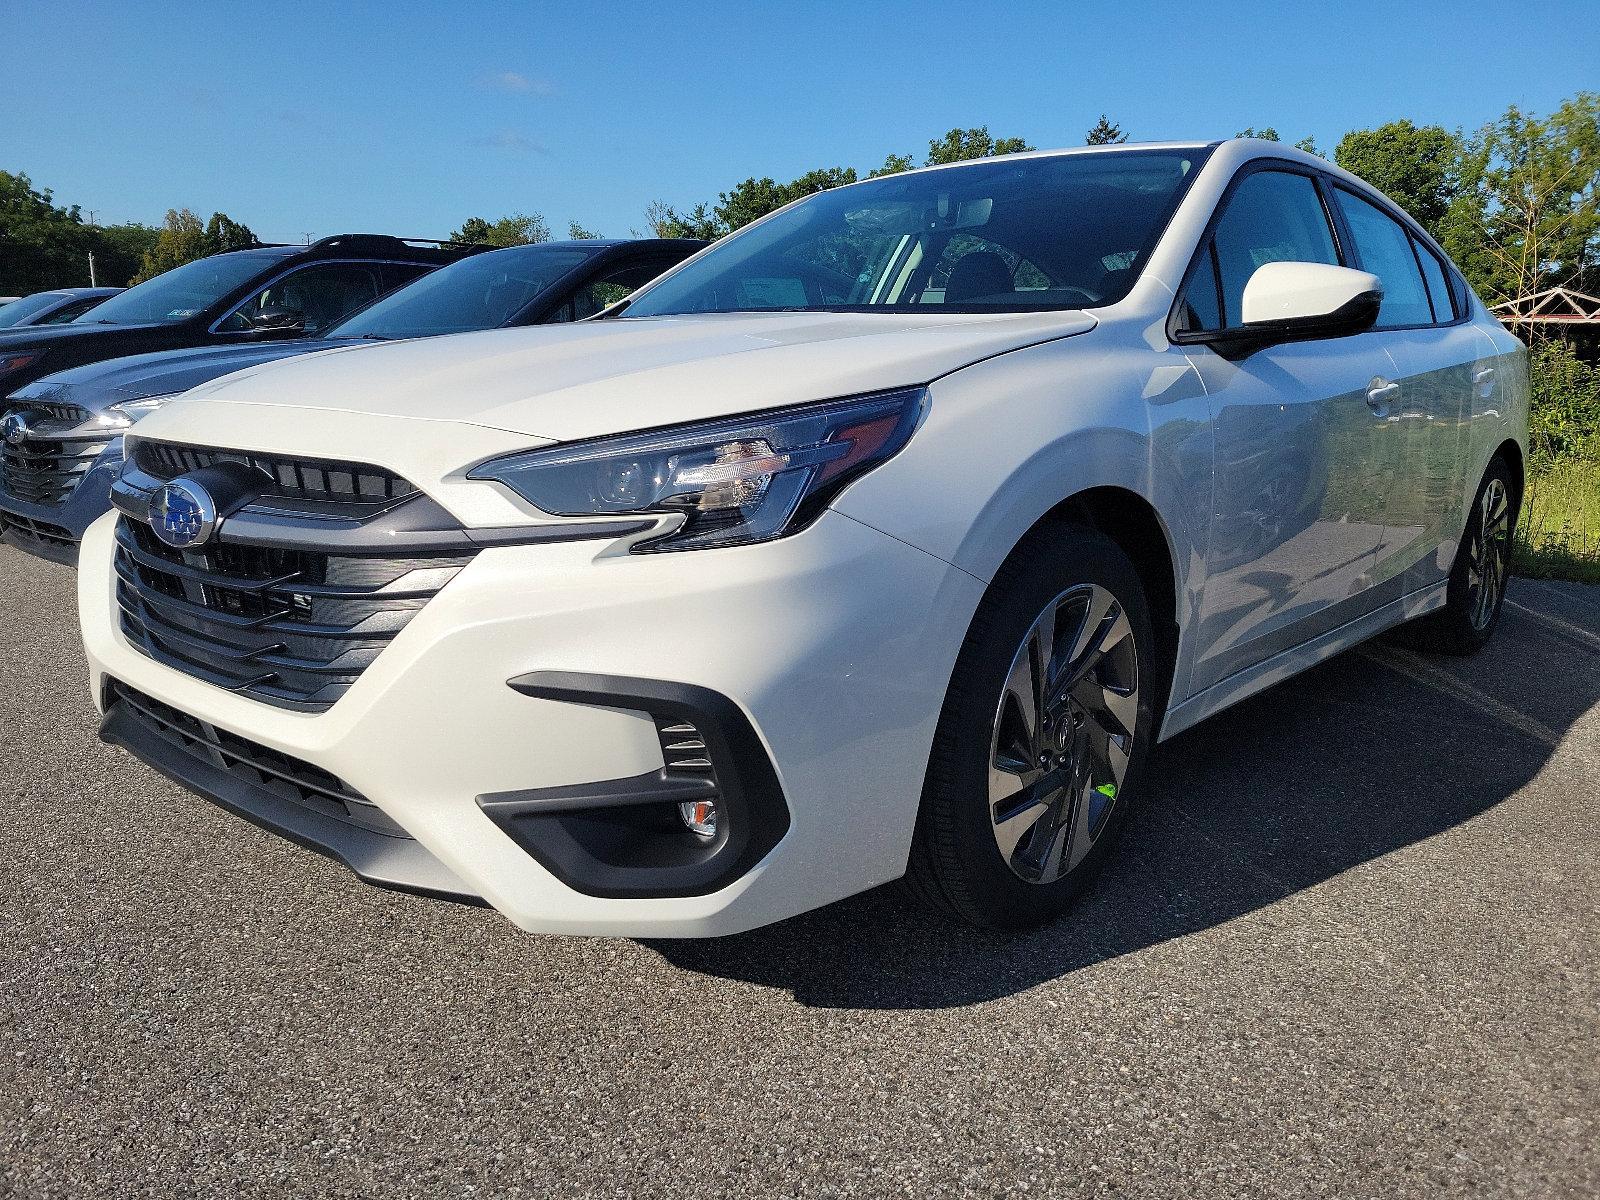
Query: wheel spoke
{"points": [[1017, 822], [1019, 712], [1041, 653], [1104, 628]]}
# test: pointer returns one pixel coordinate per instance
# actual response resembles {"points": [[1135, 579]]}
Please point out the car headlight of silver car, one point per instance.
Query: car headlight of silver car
{"points": [[735, 481], [120, 416]]}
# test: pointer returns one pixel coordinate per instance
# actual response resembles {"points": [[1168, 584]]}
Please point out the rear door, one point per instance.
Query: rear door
{"points": [[1438, 362], [1301, 479]]}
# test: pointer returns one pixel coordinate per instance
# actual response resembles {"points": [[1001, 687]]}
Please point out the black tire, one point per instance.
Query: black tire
{"points": [[1468, 619], [957, 865]]}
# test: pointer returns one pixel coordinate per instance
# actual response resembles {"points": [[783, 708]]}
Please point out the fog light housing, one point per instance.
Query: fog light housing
{"points": [[700, 816]]}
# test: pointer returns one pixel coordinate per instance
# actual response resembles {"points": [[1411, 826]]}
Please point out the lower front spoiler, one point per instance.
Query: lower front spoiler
{"points": [[42, 539], [384, 860]]}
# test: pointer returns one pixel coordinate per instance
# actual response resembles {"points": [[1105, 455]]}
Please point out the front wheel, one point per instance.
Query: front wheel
{"points": [[1043, 735]]}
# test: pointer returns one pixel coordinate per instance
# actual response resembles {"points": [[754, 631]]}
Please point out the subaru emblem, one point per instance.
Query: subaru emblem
{"points": [[183, 514], [14, 429]]}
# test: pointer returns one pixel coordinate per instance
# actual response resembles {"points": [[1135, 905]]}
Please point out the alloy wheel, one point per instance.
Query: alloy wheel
{"points": [[1063, 733], [1489, 554]]}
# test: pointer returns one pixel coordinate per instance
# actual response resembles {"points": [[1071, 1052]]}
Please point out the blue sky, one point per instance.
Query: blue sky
{"points": [[407, 118]]}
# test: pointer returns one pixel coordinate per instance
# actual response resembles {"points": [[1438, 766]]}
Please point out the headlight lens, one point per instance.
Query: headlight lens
{"points": [[746, 479], [120, 416]]}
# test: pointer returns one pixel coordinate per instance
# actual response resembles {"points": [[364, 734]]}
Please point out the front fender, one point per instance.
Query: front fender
{"points": [[1007, 440]]}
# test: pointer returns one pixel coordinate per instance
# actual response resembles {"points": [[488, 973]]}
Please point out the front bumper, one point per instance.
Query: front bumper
{"points": [[53, 531], [834, 646]]}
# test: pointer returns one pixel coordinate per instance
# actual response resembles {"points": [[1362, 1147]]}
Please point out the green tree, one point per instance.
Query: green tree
{"points": [[1527, 214], [894, 164], [755, 198], [1105, 133], [1418, 167], [44, 245], [960, 145], [579, 234], [225, 234], [120, 250], [1266, 133], [519, 229], [182, 239], [664, 221]]}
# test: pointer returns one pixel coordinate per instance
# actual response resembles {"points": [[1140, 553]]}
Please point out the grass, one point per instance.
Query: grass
{"points": [[1558, 536]]}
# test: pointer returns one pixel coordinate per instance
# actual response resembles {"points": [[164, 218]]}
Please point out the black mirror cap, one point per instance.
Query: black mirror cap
{"points": [[1356, 315]]}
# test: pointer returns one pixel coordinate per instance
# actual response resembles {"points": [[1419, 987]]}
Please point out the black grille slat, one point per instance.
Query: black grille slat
{"points": [[297, 479], [291, 627], [41, 533], [307, 785]]}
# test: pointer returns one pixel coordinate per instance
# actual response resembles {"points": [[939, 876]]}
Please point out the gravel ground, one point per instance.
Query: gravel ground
{"points": [[1350, 948]]}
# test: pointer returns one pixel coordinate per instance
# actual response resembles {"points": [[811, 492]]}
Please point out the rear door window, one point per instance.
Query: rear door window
{"points": [[1383, 247], [1438, 284]]}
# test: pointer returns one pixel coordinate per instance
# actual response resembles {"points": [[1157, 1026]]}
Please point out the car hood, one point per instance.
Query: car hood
{"points": [[96, 385], [28, 336], [567, 382]]}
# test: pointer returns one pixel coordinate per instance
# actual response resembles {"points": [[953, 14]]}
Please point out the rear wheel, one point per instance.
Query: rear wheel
{"points": [[1477, 586], [1042, 738]]}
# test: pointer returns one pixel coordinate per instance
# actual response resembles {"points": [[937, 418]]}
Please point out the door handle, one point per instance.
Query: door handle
{"points": [[1380, 392], [1484, 376]]}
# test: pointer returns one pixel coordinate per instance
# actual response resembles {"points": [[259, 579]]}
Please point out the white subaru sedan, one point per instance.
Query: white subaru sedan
{"points": [[880, 539]]}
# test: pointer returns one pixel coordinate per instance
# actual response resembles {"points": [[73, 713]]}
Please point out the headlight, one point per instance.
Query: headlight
{"points": [[745, 479], [120, 416]]}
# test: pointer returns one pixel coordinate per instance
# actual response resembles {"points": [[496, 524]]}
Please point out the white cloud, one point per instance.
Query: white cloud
{"points": [[515, 83], [513, 142]]}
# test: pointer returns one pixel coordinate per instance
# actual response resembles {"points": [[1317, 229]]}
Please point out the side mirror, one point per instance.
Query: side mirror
{"points": [[1296, 302], [278, 320]]}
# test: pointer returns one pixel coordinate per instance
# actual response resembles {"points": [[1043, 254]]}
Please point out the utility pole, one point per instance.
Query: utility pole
{"points": [[92, 281]]}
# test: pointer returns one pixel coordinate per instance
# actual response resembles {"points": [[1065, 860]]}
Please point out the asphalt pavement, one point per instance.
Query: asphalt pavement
{"points": [[1351, 947]]}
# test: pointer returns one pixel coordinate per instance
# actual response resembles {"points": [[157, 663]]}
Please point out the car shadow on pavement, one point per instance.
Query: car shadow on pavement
{"points": [[1368, 753]]}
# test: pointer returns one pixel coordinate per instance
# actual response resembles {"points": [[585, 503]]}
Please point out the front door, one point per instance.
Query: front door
{"points": [[1302, 477]]}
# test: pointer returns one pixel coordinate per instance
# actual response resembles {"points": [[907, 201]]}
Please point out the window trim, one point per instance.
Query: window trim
{"points": [[263, 285], [1415, 235], [1176, 334]]}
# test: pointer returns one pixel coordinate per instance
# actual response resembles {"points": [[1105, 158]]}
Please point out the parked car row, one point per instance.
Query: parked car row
{"points": [[55, 307], [63, 444], [881, 538]]}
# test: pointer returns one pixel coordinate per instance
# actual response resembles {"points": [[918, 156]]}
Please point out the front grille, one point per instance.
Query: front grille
{"points": [[41, 533], [47, 466], [67, 414], [297, 479], [295, 628], [260, 766]]}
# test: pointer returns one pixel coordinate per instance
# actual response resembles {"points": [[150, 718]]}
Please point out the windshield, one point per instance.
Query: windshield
{"points": [[1010, 235], [481, 292], [180, 293], [19, 311]]}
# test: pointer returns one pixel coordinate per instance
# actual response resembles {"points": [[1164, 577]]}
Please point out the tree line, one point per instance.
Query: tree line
{"points": [[1516, 204]]}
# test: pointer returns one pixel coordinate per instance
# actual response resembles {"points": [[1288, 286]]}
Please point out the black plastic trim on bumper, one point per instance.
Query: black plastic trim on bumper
{"points": [[13, 533], [402, 864], [621, 838]]}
